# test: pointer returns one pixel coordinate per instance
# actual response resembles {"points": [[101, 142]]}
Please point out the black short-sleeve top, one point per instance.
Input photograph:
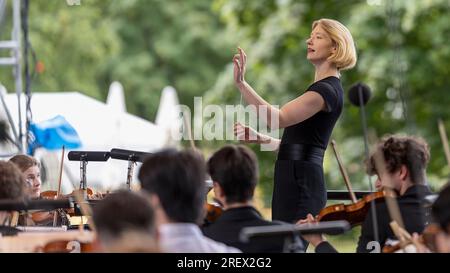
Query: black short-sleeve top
{"points": [[317, 129]]}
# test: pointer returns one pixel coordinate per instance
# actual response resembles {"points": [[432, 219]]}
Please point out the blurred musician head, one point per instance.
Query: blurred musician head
{"points": [[234, 171], [125, 223], [441, 214], [12, 186], [176, 183]]}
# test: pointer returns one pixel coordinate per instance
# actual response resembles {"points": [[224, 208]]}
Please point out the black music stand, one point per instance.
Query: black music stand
{"points": [[291, 233], [84, 157], [132, 157]]}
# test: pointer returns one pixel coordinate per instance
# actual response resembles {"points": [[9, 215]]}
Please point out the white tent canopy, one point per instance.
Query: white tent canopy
{"points": [[101, 127]]}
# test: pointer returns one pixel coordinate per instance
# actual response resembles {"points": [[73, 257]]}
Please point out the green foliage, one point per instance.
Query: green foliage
{"points": [[275, 43], [402, 45], [403, 56], [73, 43], [176, 43]]}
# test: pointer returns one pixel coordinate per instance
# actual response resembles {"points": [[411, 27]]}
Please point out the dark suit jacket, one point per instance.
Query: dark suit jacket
{"points": [[415, 218], [227, 227]]}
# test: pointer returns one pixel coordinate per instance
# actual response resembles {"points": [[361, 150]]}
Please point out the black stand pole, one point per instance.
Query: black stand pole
{"points": [[83, 182], [131, 164], [293, 244], [366, 147]]}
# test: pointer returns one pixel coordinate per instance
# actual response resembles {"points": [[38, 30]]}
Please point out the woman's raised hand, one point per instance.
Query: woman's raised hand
{"points": [[239, 63]]}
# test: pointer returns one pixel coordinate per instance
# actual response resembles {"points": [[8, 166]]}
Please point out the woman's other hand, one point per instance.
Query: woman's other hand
{"points": [[314, 239], [246, 134]]}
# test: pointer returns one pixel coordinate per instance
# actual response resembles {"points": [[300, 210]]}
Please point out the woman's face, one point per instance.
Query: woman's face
{"points": [[33, 179], [320, 46]]}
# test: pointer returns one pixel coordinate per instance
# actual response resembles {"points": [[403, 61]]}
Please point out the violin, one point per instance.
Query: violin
{"points": [[54, 194], [67, 246], [44, 218], [213, 212], [354, 213], [427, 238], [32, 242]]}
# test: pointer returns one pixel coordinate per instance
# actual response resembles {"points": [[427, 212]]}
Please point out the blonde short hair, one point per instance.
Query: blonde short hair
{"points": [[345, 56]]}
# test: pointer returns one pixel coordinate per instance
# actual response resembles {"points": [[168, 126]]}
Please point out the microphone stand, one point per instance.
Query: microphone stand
{"points": [[366, 148]]}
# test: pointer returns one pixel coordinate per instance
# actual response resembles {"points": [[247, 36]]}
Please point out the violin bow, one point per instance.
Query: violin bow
{"points": [[344, 173], [55, 216], [187, 126], [444, 139], [390, 198], [404, 237]]}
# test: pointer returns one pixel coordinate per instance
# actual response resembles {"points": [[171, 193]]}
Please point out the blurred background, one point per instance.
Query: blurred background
{"points": [[403, 49]]}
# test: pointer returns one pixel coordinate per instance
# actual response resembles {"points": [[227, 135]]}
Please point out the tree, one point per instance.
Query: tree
{"points": [[403, 57], [73, 43], [177, 43]]}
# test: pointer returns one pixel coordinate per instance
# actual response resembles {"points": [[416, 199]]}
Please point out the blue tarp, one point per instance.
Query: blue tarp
{"points": [[53, 134]]}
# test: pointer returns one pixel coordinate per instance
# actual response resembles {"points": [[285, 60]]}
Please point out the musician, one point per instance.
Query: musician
{"points": [[299, 186], [405, 159], [441, 215], [176, 184], [234, 171], [12, 187], [30, 168], [125, 222]]}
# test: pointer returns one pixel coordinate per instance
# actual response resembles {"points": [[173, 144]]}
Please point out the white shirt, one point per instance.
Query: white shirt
{"points": [[188, 238]]}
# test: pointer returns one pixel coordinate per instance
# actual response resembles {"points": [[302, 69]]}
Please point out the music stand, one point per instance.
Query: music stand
{"points": [[84, 157], [132, 157], [291, 233]]}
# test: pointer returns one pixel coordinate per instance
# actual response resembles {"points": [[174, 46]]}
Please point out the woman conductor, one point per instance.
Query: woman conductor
{"points": [[299, 186]]}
